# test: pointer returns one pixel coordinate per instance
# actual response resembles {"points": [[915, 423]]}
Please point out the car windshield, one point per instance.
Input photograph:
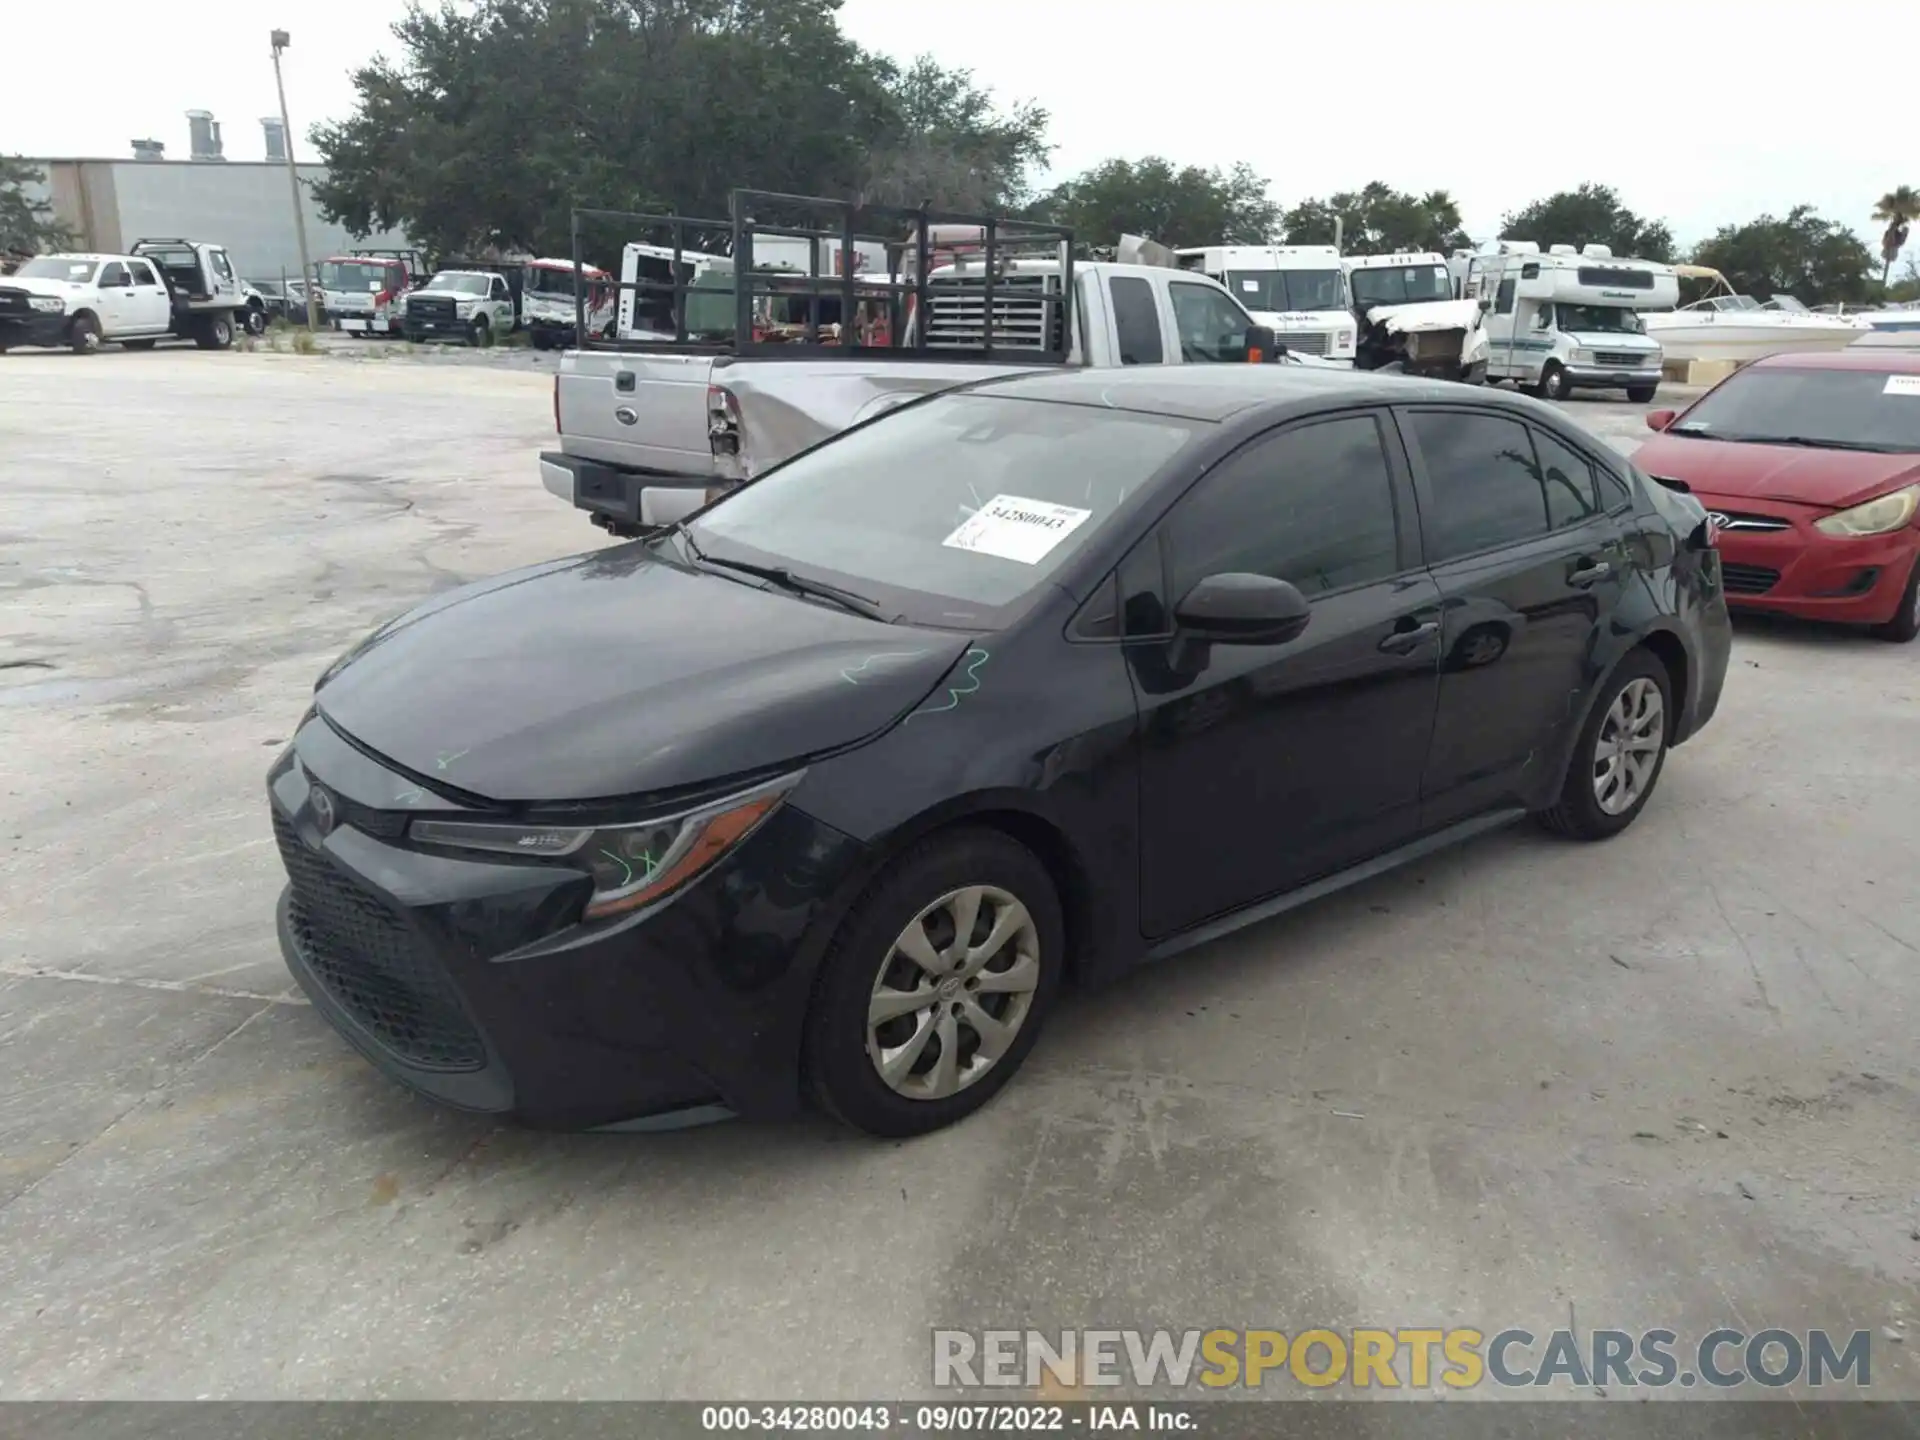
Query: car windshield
{"points": [[54, 267], [354, 275], [952, 509], [464, 284], [542, 280], [1849, 409], [1611, 318], [1400, 285], [1287, 289]]}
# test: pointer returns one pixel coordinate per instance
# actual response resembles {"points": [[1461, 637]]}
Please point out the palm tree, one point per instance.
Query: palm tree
{"points": [[1897, 210]]}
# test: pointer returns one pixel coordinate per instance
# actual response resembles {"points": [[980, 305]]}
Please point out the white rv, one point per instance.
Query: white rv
{"points": [[1298, 291], [1565, 319], [1410, 320]]}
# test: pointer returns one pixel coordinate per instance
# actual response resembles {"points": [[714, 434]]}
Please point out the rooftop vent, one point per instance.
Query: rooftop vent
{"points": [[204, 132], [1597, 252], [1561, 250], [149, 150]]}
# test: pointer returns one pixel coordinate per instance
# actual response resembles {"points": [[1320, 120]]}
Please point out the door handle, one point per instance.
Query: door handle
{"points": [[1589, 572], [1399, 641]]}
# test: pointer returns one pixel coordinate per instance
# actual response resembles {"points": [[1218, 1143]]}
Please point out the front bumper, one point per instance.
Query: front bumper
{"points": [[422, 327], [1613, 377], [472, 982], [38, 328], [364, 323], [1797, 570]]}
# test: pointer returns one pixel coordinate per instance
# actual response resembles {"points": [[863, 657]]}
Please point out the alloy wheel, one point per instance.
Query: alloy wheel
{"points": [[1628, 749], [953, 992]]}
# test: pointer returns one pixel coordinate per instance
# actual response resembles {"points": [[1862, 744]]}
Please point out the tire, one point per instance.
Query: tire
{"points": [[83, 334], [541, 340], [1905, 624], [137, 344], [480, 333], [920, 892], [1554, 384], [1475, 374], [254, 320], [213, 332], [1580, 813], [1641, 394]]}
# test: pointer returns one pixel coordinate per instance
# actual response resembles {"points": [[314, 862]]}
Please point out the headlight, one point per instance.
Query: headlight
{"points": [[51, 304], [1343, 340], [1876, 517], [465, 307], [1581, 357], [633, 866]]}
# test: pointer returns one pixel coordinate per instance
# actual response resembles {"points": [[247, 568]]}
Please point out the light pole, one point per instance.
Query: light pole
{"points": [[280, 42]]}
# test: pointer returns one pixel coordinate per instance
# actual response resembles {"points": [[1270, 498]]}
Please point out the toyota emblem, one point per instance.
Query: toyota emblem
{"points": [[323, 815], [1720, 522]]}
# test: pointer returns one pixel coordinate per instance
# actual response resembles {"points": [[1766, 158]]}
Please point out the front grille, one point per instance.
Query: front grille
{"points": [[1307, 342], [15, 302], [1747, 579], [373, 965], [1621, 359], [1737, 520], [432, 307]]}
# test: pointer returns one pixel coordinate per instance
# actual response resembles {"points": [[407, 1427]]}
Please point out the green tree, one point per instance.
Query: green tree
{"points": [[1185, 206], [498, 116], [1589, 215], [26, 226], [1897, 210], [1379, 220], [1817, 261]]}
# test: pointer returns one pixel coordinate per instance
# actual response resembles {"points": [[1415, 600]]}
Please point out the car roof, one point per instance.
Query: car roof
{"points": [[1887, 361], [1219, 392]]}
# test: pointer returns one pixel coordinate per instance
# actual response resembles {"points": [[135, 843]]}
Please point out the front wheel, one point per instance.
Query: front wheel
{"points": [[934, 989], [542, 340], [1641, 394], [1905, 624], [83, 335], [480, 333], [1618, 758], [255, 321], [1554, 384]]}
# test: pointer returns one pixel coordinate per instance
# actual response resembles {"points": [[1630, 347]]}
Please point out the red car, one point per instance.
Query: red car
{"points": [[1810, 468]]}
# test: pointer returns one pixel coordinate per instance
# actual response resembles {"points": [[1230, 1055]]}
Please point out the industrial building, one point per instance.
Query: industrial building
{"points": [[242, 204]]}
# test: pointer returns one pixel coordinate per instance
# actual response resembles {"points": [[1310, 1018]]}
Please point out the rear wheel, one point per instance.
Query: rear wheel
{"points": [[1618, 758], [1905, 624], [83, 334], [213, 332], [1554, 384], [1641, 394], [936, 985]]}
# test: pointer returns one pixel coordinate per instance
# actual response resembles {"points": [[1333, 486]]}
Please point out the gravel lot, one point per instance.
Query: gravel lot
{"points": [[1670, 1081]]}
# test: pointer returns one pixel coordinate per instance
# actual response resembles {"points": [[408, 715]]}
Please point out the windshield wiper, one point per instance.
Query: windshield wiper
{"points": [[1699, 432], [1817, 443], [801, 585]]}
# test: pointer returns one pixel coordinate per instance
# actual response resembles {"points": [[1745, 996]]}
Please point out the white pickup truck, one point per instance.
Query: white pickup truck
{"points": [[641, 426], [158, 290]]}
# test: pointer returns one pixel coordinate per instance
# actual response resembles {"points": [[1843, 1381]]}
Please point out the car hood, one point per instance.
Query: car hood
{"points": [[1834, 478], [1426, 315], [1612, 340], [617, 674], [448, 293]]}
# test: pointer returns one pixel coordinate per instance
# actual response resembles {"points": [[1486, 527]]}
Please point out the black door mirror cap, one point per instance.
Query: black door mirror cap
{"points": [[1235, 608]]}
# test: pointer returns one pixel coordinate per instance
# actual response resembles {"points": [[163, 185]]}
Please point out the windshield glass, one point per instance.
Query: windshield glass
{"points": [[464, 284], [542, 281], [1400, 285], [1854, 409], [1610, 318], [1287, 289], [52, 267], [1787, 303], [959, 506], [359, 275]]}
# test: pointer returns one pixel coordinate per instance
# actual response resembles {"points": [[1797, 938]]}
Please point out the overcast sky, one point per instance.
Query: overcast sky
{"points": [[1701, 114]]}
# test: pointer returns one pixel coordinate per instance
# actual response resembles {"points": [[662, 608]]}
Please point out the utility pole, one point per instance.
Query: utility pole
{"points": [[281, 42]]}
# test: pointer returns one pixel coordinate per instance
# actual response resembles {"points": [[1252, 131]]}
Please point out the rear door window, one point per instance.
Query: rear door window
{"points": [[115, 276], [1485, 482], [1136, 320]]}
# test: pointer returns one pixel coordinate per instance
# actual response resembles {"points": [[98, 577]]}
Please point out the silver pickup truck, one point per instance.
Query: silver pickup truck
{"points": [[641, 427]]}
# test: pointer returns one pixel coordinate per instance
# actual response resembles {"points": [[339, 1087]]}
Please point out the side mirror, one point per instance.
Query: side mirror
{"points": [[1661, 419], [1263, 346], [1486, 304], [1239, 609]]}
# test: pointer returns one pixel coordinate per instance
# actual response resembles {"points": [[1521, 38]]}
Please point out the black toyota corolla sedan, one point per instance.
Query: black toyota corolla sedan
{"points": [[824, 792]]}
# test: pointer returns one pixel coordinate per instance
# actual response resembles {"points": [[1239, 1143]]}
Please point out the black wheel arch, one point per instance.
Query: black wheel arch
{"points": [[1665, 643]]}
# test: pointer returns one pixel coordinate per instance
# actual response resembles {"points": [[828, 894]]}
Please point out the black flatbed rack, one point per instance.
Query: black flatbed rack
{"points": [[906, 233]]}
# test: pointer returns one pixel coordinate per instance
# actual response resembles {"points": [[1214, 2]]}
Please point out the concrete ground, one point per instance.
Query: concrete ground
{"points": [[1668, 1081]]}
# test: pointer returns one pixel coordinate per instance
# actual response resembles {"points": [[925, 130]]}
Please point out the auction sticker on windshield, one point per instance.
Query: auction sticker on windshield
{"points": [[1903, 385], [1013, 527]]}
